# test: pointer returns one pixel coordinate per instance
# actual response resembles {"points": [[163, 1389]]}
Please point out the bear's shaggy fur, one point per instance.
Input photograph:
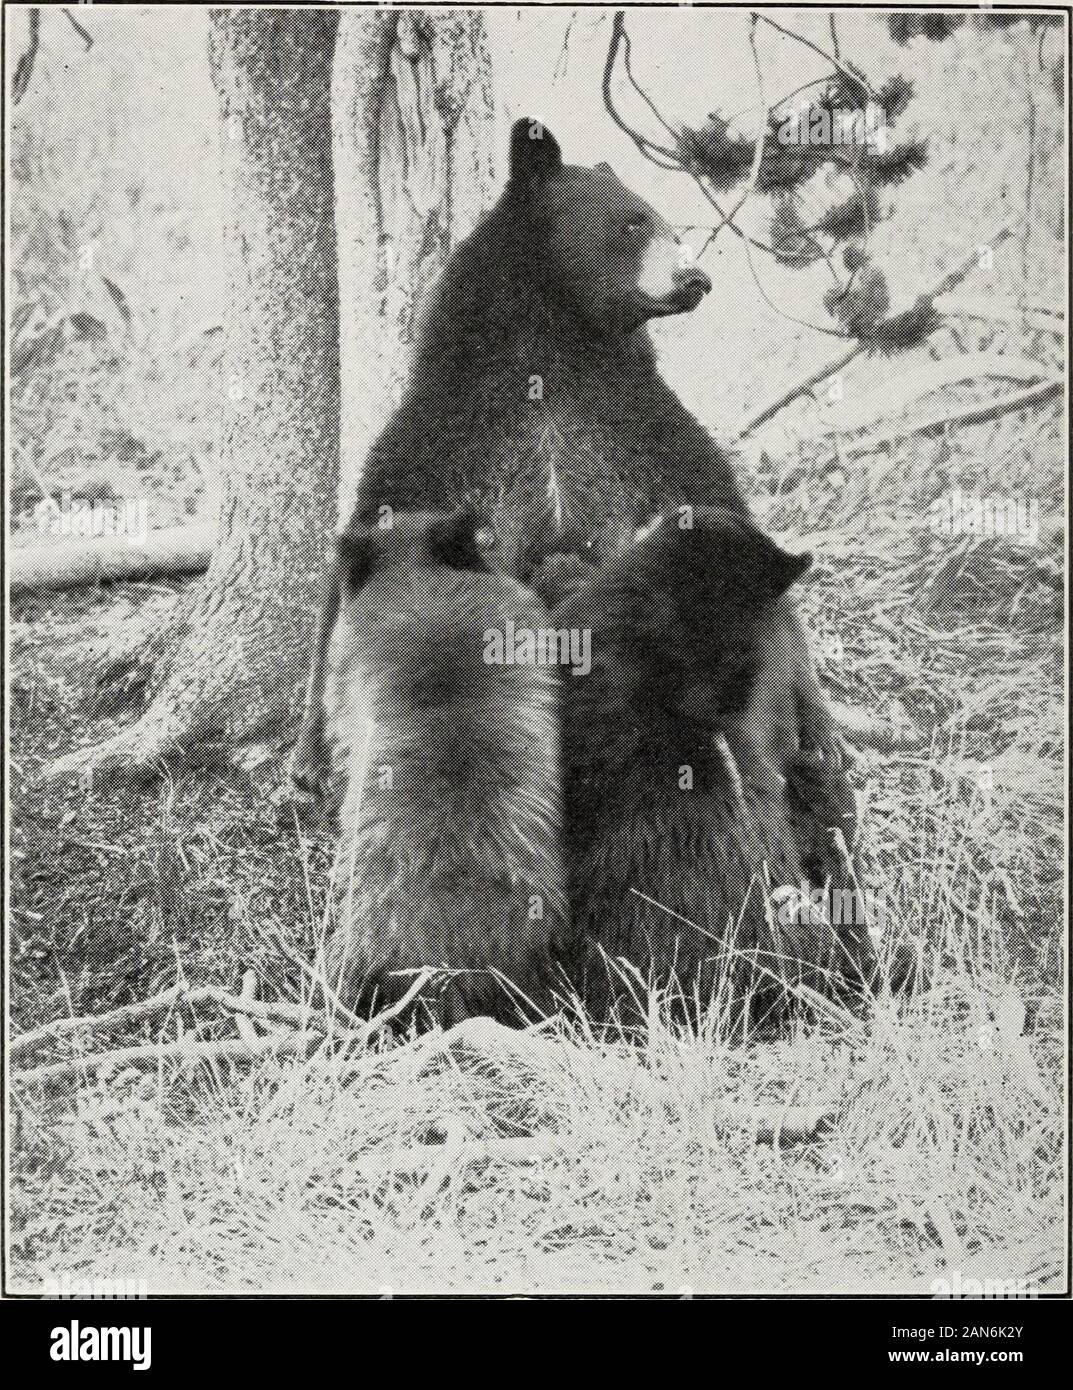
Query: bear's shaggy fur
{"points": [[451, 822], [534, 394], [534, 388], [689, 853]]}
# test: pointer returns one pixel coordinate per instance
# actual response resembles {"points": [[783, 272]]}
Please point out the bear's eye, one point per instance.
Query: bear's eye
{"points": [[633, 225]]}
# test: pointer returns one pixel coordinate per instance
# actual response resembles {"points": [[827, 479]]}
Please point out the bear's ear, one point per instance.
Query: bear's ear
{"points": [[355, 552], [534, 152], [781, 570], [461, 541], [750, 559]]}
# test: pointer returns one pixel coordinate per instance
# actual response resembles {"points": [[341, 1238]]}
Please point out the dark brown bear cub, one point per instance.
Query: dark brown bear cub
{"points": [[451, 822], [691, 855]]}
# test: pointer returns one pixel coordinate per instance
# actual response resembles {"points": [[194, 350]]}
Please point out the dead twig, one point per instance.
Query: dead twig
{"points": [[24, 68], [758, 150], [131, 1013], [975, 414], [311, 1025], [801, 388], [850, 73], [230, 1050], [413, 1161], [794, 1124], [246, 1031], [86, 37], [950, 281], [658, 153]]}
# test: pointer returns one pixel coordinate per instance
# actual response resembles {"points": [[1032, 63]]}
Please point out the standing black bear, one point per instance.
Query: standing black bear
{"points": [[534, 391], [451, 823], [694, 851]]}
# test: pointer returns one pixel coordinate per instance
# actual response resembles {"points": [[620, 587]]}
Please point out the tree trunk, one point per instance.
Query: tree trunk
{"points": [[412, 139]]}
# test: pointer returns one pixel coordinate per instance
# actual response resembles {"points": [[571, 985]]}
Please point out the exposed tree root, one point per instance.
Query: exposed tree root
{"points": [[127, 674], [139, 753], [221, 690]]}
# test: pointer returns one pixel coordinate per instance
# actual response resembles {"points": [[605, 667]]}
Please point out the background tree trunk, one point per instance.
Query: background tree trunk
{"points": [[412, 134], [414, 152]]}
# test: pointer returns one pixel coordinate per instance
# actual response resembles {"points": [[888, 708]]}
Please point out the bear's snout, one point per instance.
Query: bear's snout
{"points": [[691, 281]]}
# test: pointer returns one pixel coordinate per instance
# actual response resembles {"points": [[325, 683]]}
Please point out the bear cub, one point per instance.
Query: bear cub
{"points": [[451, 823], [688, 844]]}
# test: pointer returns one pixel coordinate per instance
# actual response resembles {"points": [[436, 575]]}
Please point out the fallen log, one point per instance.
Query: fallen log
{"points": [[978, 413], [73, 564], [894, 398]]}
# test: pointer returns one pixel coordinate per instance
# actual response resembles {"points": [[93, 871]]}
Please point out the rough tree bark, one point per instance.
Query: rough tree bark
{"points": [[412, 136], [414, 151]]}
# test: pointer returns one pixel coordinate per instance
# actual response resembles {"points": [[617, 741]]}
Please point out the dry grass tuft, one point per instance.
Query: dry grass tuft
{"points": [[388, 1170]]}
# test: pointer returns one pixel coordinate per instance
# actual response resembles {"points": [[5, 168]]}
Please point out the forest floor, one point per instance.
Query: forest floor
{"points": [[946, 1149]]}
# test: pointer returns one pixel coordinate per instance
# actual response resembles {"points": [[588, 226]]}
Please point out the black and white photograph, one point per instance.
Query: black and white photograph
{"points": [[536, 731]]}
